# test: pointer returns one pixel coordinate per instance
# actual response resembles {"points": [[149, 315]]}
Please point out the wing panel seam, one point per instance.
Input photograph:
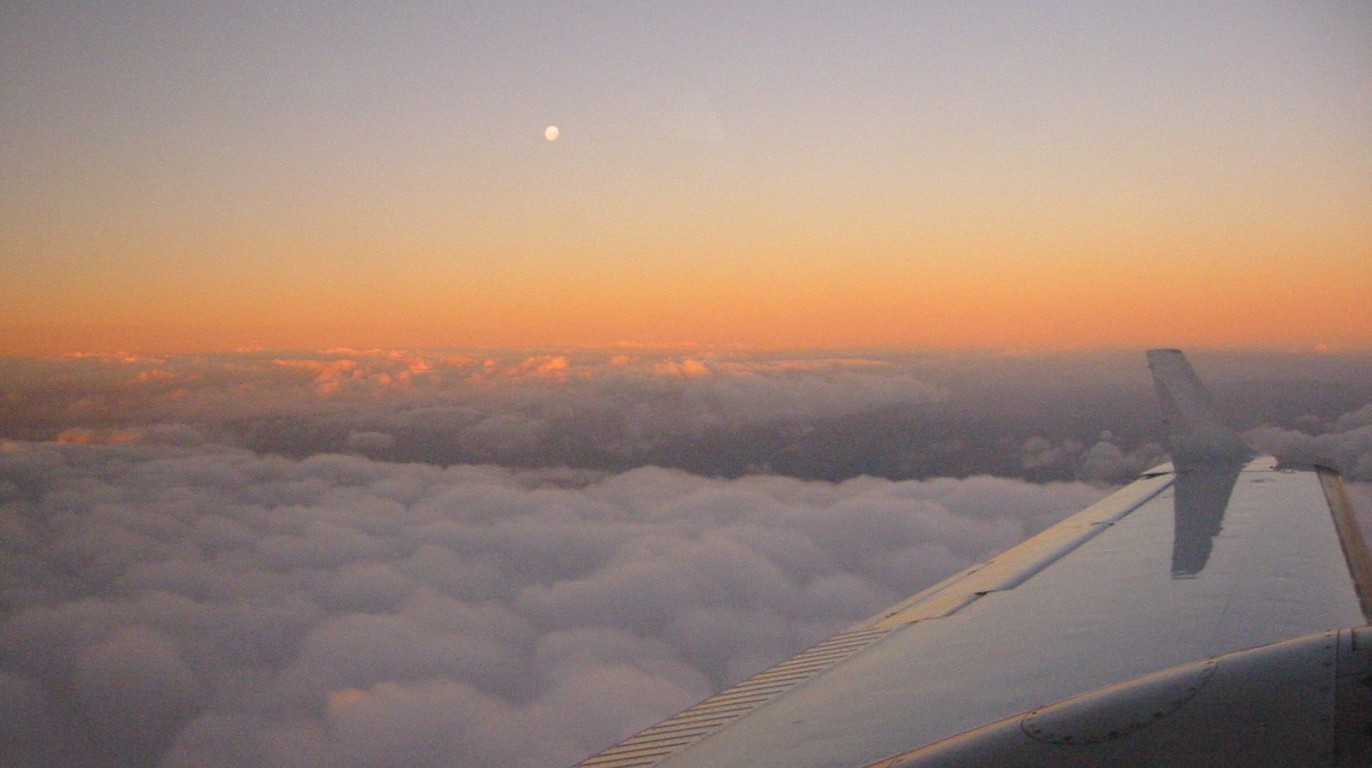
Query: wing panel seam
{"points": [[724, 708]]}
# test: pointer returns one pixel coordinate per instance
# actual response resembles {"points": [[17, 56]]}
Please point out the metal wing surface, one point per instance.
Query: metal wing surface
{"points": [[1220, 553]]}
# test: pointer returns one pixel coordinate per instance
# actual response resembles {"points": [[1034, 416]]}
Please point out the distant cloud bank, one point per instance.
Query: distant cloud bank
{"points": [[1046, 417]]}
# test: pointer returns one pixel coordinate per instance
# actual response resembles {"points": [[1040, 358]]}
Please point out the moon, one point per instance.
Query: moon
{"points": [[551, 133]]}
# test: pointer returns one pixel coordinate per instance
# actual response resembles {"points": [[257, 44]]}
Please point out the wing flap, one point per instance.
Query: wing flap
{"points": [[1350, 536]]}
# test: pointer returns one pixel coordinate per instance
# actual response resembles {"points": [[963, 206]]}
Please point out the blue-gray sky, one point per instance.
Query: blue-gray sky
{"points": [[211, 175]]}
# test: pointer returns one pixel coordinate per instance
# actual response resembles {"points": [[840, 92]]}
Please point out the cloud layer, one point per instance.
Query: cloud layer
{"points": [[379, 558], [897, 416], [210, 607]]}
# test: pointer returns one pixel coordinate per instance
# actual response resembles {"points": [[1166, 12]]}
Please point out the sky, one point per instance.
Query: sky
{"points": [[215, 176], [347, 419], [380, 558]]}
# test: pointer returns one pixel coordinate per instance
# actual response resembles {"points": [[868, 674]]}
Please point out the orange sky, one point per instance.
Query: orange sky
{"points": [[930, 177]]}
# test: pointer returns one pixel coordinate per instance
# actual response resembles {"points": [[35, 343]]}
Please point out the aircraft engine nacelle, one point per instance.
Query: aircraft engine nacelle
{"points": [[1300, 702]]}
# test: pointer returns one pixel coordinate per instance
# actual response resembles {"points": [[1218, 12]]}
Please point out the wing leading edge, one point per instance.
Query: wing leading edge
{"points": [[1221, 553]]}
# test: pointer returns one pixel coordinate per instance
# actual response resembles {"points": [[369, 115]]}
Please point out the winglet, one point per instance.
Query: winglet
{"points": [[1199, 436]]}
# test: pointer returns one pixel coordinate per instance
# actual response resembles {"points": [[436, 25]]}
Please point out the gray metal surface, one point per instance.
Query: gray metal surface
{"points": [[1268, 707], [1098, 600]]}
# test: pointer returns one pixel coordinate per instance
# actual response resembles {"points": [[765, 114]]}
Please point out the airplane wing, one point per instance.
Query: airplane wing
{"points": [[1210, 613]]}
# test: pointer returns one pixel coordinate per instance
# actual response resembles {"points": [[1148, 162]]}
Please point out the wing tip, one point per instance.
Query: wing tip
{"points": [[1199, 436]]}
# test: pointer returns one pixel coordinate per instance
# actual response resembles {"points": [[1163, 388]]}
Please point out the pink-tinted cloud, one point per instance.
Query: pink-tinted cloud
{"points": [[205, 606]]}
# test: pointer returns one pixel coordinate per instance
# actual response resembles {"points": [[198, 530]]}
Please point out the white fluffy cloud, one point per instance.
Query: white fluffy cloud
{"points": [[1103, 462], [1347, 446], [179, 606]]}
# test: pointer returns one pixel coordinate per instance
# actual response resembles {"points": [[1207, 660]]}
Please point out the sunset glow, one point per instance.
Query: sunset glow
{"points": [[937, 175]]}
